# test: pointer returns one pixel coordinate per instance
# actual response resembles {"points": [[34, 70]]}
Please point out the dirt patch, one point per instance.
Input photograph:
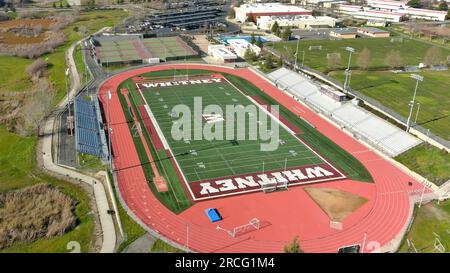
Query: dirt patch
{"points": [[26, 23], [32, 213], [335, 203], [32, 38]]}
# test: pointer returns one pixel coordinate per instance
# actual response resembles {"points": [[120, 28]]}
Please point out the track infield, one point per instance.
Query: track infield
{"points": [[228, 164], [375, 226]]}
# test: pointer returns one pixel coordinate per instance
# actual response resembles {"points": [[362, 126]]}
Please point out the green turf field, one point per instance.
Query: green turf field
{"points": [[203, 159], [411, 51]]}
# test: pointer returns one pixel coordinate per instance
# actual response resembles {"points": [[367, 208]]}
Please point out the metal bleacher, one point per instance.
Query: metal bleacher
{"points": [[363, 124], [89, 135]]}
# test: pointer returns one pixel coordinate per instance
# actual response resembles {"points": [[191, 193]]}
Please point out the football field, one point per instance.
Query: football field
{"points": [[203, 159]]}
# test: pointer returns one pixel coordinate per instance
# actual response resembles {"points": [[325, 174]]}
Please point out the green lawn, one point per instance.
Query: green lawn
{"points": [[18, 170], [396, 90], [429, 219], [162, 247], [13, 77], [411, 51], [428, 161]]}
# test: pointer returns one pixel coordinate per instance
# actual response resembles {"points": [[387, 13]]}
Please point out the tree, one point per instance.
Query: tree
{"points": [[268, 64], [286, 34], [414, 3], [433, 56], [54, 5], [35, 69], [250, 18], [252, 38], [60, 5], [278, 32], [293, 247], [443, 5], [259, 43], [393, 59], [231, 13], [249, 55], [275, 27], [334, 60], [364, 59]]}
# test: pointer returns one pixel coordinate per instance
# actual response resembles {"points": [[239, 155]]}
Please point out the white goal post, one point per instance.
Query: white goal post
{"points": [[253, 224]]}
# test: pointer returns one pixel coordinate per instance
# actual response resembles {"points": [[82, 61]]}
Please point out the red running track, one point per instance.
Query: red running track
{"points": [[285, 214]]}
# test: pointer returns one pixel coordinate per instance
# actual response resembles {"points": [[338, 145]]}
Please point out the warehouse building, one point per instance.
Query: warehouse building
{"points": [[361, 12], [221, 53], [297, 21], [267, 9], [373, 32], [240, 46], [344, 33]]}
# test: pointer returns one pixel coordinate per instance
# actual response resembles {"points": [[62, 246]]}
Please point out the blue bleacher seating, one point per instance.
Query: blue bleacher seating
{"points": [[87, 128]]}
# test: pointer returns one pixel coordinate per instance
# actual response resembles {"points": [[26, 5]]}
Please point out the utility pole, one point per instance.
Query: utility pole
{"points": [[418, 79]]}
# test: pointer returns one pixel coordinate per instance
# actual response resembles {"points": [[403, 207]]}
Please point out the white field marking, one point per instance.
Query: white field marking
{"points": [[298, 157], [255, 190], [289, 130], [166, 145]]}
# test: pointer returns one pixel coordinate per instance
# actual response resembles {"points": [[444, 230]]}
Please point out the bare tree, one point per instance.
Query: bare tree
{"points": [[35, 107], [36, 69], [364, 59], [393, 59], [433, 56]]}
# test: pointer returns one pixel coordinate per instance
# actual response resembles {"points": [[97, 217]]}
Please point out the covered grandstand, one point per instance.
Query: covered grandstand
{"points": [[363, 124], [89, 134], [110, 50]]}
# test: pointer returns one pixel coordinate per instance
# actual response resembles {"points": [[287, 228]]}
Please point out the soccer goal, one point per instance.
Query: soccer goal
{"points": [[319, 47], [252, 225], [180, 77]]}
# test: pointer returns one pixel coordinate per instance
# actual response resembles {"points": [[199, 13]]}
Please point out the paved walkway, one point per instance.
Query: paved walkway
{"points": [[141, 245], [100, 195]]}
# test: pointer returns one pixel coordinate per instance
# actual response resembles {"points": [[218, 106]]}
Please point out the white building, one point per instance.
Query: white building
{"points": [[387, 4], [402, 8], [432, 15], [267, 9], [240, 46], [297, 21], [361, 12], [221, 53]]}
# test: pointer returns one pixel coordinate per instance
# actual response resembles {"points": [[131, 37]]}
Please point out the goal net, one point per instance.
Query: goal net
{"points": [[252, 225]]}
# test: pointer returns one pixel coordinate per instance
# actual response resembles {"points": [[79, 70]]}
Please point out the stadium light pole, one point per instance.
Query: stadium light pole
{"points": [[67, 90], [418, 79], [109, 129], [417, 113], [350, 50], [296, 53]]}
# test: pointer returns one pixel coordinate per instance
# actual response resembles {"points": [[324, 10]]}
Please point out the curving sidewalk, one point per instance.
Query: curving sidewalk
{"points": [[380, 221], [100, 195]]}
